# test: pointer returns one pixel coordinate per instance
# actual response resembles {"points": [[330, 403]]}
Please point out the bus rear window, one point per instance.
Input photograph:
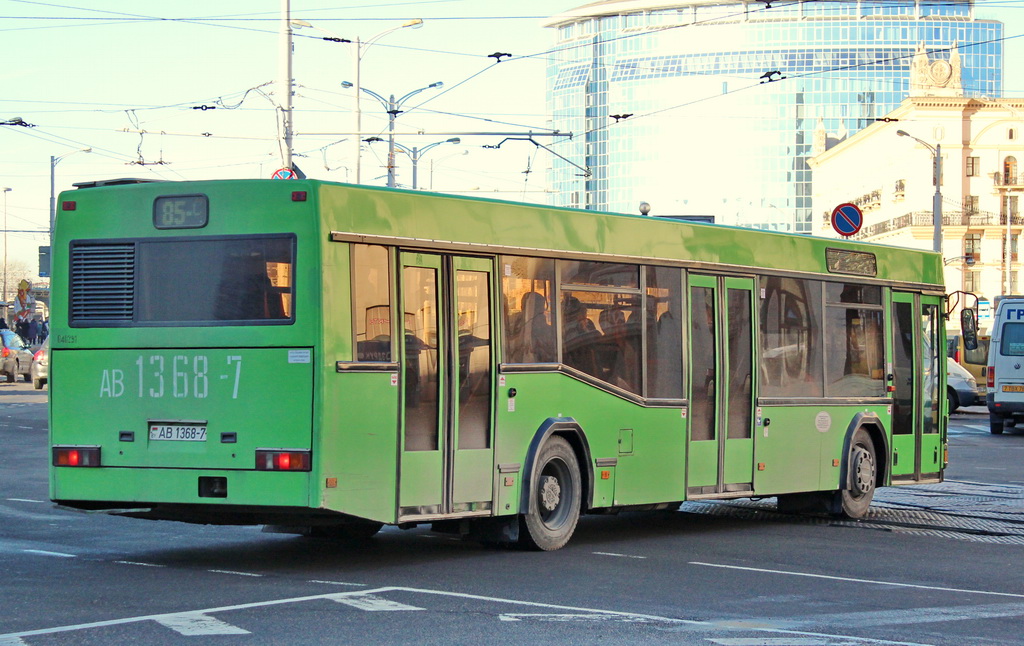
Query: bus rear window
{"points": [[179, 281]]}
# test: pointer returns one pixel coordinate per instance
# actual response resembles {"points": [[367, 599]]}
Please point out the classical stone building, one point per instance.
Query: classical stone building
{"points": [[891, 178]]}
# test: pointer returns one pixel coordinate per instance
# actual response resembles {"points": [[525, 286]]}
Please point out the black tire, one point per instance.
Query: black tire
{"points": [[862, 474], [11, 376], [555, 494], [952, 401], [37, 384], [996, 424]]}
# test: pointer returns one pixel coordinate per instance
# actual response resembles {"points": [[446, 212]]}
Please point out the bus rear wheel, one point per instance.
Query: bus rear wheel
{"points": [[855, 498], [555, 494]]}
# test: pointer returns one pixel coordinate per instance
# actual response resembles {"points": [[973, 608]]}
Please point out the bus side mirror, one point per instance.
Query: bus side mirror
{"points": [[969, 328]]}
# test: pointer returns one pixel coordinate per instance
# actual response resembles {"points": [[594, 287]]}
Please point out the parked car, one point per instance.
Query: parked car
{"points": [[41, 365], [961, 387], [17, 360]]}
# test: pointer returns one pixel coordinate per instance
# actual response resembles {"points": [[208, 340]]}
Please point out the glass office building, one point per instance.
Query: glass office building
{"points": [[710, 108]]}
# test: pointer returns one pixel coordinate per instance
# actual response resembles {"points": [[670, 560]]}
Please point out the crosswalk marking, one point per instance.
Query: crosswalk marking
{"points": [[370, 602], [196, 623]]}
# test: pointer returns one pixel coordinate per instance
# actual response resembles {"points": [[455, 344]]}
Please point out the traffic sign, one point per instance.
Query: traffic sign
{"points": [[847, 219], [284, 173]]}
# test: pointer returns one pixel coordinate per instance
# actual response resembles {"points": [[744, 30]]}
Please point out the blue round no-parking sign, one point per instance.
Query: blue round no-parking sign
{"points": [[847, 219]]}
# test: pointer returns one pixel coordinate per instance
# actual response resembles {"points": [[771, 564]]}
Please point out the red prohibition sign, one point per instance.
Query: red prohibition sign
{"points": [[847, 219], [284, 173]]}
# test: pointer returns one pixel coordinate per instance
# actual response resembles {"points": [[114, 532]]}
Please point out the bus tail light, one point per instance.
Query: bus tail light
{"points": [[991, 373], [76, 456], [283, 460]]}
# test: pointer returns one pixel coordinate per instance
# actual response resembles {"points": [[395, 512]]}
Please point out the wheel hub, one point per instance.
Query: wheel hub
{"points": [[550, 493], [863, 472]]}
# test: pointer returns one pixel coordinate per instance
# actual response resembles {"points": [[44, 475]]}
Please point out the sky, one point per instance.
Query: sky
{"points": [[129, 79]]}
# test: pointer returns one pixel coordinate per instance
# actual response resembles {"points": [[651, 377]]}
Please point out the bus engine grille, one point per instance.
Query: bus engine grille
{"points": [[102, 282]]}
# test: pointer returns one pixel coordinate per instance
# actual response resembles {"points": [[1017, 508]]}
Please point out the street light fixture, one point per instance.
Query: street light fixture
{"points": [[53, 200], [393, 107], [415, 154], [936, 151]]}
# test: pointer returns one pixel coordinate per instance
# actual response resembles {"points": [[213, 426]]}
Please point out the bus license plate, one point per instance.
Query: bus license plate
{"points": [[181, 432], [1013, 389]]}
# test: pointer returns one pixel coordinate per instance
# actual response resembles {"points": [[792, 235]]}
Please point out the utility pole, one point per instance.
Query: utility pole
{"points": [[285, 81]]}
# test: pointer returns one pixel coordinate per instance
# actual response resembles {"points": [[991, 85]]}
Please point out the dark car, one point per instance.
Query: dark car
{"points": [[17, 360], [41, 365]]}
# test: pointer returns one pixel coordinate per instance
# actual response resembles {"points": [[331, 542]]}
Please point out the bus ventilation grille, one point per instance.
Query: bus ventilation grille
{"points": [[102, 282]]}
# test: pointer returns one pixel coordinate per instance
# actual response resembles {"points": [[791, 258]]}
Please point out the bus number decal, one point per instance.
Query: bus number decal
{"points": [[184, 369]]}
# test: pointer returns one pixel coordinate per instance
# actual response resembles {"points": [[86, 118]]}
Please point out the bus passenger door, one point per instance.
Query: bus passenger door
{"points": [[721, 445], [918, 391], [448, 358]]}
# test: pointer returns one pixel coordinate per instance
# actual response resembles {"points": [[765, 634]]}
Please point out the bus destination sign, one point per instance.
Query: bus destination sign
{"points": [[181, 212]]}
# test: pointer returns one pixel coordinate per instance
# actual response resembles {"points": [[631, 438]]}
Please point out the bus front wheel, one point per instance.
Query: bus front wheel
{"points": [[555, 494], [855, 498]]}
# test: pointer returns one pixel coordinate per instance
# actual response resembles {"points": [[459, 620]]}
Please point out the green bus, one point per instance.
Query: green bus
{"points": [[325, 359]]}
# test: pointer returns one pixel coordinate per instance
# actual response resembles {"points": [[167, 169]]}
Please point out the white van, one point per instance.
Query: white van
{"points": [[1006, 366]]}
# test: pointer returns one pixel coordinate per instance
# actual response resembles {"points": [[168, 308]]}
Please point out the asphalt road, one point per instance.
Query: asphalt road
{"points": [[938, 564]]}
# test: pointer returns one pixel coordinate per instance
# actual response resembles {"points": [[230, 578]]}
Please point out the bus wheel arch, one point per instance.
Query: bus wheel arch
{"points": [[863, 467], [557, 484]]}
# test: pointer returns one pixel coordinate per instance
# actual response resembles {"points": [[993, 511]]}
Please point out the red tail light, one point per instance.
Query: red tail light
{"points": [[5, 353], [956, 356], [76, 456], [991, 372], [38, 356], [283, 460]]}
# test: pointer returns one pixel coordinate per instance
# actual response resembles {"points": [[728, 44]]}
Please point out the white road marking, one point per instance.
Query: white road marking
{"points": [[233, 572], [519, 616], [140, 563], [24, 500], [906, 616], [854, 580], [359, 585], [977, 427], [785, 641], [370, 602], [625, 556], [196, 623], [441, 593], [12, 641], [45, 553]]}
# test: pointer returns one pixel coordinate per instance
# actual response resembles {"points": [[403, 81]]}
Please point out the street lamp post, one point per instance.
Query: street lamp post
{"points": [[360, 49], [53, 199], [416, 153], [936, 151], [393, 107], [6, 191]]}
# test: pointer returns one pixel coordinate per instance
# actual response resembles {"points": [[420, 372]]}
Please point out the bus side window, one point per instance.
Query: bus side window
{"points": [[371, 297], [527, 285]]}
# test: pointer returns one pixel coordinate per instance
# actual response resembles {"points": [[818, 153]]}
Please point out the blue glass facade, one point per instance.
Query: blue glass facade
{"points": [[725, 98]]}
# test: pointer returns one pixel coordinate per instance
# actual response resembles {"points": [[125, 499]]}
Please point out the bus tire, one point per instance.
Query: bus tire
{"points": [[855, 498], [555, 495], [996, 424]]}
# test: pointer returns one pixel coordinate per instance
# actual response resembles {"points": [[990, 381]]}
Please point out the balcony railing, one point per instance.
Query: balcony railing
{"points": [[1008, 179], [949, 218]]}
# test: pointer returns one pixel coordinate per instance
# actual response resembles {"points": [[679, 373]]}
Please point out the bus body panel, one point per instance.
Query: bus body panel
{"points": [[650, 460], [357, 445], [243, 398], [135, 488]]}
